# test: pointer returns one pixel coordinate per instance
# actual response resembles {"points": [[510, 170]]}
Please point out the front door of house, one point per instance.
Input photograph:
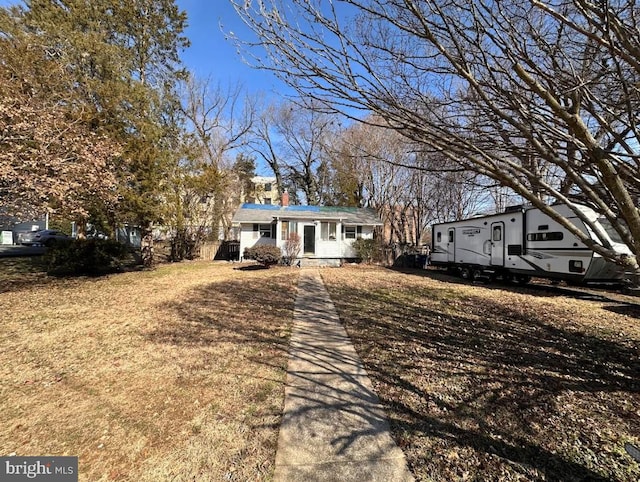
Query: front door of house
{"points": [[309, 243]]}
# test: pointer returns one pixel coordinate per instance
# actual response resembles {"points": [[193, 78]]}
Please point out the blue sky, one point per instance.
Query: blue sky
{"points": [[210, 55]]}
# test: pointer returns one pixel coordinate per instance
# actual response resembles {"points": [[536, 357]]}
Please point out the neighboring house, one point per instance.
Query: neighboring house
{"points": [[326, 233], [264, 190]]}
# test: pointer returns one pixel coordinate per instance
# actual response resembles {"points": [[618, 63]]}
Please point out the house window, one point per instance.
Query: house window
{"points": [[349, 232], [328, 231], [263, 229], [267, 187], [288, 227], [267, 200], [352, 232]]}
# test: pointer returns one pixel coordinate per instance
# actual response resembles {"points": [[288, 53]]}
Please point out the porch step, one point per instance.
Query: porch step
{"points": [[320, 262]]}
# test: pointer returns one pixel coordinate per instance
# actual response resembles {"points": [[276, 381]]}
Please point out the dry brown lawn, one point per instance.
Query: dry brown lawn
{"points": [[494, 382], [173, 374]]}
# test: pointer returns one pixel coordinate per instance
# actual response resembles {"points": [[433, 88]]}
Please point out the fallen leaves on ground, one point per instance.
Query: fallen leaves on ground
{"points": [[495, 382], [173, 374]]}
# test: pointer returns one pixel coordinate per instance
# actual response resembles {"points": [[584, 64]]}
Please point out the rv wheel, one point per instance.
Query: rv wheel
{"points": [[465, 273]]}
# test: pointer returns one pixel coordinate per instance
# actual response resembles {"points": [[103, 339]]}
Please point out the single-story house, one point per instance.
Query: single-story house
{"points": [[326, 233]]}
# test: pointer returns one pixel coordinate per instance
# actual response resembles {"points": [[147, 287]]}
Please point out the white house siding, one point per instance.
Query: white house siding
{"points": [[338, 248], [250, 238], [359, 222]]}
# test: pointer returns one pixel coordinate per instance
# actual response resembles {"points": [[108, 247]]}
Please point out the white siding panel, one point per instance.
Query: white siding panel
{"points": [[339, 248], [249, 238]]}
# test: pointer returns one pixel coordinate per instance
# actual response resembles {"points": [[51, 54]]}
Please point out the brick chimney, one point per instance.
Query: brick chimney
{"points": [[285, 199]]}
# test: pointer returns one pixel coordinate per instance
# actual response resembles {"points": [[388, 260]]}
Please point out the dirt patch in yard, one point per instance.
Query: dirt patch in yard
{"points": [[173, 374], [497, 383]]}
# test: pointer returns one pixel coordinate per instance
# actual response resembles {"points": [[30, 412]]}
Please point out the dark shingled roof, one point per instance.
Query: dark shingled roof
{"points": [[266, 213]]}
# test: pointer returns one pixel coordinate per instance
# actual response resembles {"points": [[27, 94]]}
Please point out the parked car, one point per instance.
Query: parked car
{"points": [[46, 237]]}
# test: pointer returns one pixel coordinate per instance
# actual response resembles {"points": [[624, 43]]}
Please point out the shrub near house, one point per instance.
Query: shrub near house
{"points": [[264, 254], [88, 257], [368, 250]]}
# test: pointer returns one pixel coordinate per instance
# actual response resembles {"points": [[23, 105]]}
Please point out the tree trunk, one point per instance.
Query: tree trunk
{"points": [[146, 247]]}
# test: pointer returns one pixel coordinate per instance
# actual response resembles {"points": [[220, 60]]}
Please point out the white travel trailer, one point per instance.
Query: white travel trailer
{"points": [[524, 242]]}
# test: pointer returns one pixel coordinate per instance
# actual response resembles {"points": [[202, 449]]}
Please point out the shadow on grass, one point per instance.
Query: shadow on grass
{"points": [[629, 308], [251, 267], [626, 309], [252, 311], [545, 290], [18, 273], [26, 272], [482, 377]]}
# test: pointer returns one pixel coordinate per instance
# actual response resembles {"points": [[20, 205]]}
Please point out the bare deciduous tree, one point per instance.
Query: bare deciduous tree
{"points": [[219, 117], [375, 167], [292, 248], [206, 186], [543, 97], [292, 139]]}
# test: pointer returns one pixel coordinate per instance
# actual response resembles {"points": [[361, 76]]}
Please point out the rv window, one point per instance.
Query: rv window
{"points": [[497, 233], [514, 250], [555, 236], [451, 236], [610, 230], [543, 227], [438, 237]]}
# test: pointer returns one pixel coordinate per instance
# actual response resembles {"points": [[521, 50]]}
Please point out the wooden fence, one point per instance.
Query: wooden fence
{"points": [[220, 250], [209, 249]]}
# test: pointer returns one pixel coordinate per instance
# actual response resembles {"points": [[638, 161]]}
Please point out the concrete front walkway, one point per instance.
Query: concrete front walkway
{"points": [[333, 428]]}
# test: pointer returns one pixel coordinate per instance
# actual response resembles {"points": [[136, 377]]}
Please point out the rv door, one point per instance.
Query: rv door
{"points": [[497, 244], [451, 246]]}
